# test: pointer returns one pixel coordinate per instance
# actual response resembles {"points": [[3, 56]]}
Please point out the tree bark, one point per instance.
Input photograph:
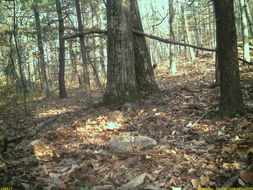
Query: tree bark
{"points": [[121, 77], [21, 72], [62, 87], [84, 54], [73, 57], [231, 101], [187, 31], [173, 65], [95, 65], [45, 90], [245, 31], [250, 24], [144, 71]]}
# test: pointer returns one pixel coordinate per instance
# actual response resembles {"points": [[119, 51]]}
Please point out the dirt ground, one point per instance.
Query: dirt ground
{"points": [[194, 148]]}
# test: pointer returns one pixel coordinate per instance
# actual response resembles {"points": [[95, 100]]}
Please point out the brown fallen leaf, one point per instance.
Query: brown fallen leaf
{"points": [[185, 163], [227, 149], [91, 180], [211, 149], [204, 180], [210, 174], [172, 182], [135, 182], [195, 183], [191, 170], [247, 176]]}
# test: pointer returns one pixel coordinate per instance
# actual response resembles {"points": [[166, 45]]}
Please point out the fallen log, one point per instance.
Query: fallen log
{"points": [[5, 141]]}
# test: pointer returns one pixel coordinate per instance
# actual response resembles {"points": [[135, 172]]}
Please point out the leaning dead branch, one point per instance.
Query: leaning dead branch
{"points": [[98, 31], [104, 32], [172, 42], [244, 61]]}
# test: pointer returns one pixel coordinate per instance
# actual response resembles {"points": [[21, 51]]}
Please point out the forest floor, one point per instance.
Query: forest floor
{"points": [[193, 149]]}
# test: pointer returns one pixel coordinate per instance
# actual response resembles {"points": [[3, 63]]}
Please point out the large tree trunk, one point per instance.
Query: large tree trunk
{"points": [[62, 87], [84, 54], [231, 101], [45, 90], [121, 77], [144, 70]]}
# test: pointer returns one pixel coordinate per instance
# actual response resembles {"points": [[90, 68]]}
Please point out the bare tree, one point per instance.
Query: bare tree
{"points": [[121, 76], [231, 101], [173, 66], [84, 54], [62, 87], [144, 70], [187, 30], [245, 31], [45, 90]]}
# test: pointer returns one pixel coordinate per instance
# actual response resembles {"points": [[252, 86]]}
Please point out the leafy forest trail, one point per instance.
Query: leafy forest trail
{"points": [[192, 148]]}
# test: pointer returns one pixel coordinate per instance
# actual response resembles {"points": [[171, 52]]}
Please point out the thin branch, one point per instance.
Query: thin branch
{"points": [[172, 42], [191, 3], [244, 61], [160, 21], [85, 32]]}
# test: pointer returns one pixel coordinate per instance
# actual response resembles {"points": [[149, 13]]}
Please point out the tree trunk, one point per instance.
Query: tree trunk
{"points": [[144, 71], [121, 78], [52, 70], [187, 32], [250, 24], [211, 26], [84, 55], [102, 60], [21, 72], [62, 87], [173, 66], [231, 101], [45, 90], [96, 71], [73, 58], [245, 31]]}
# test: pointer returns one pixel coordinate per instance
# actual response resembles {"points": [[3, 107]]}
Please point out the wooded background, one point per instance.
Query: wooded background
{"points": [[32, 33]]}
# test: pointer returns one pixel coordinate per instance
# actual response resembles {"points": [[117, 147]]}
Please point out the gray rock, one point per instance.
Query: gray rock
{"points": [[127, 143]]}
